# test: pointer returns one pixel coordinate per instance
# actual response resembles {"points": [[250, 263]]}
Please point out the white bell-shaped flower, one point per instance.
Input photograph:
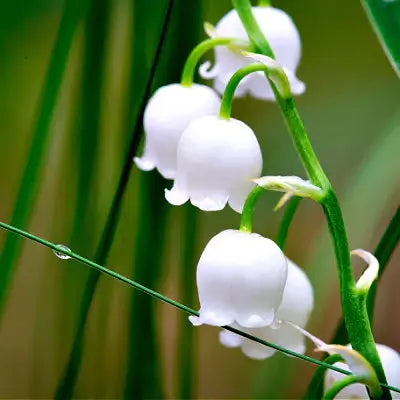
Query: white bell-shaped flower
{"points": [[168, 113], [240, 278], [296, 306], [284, 39], [216, 161], [391, 364]]}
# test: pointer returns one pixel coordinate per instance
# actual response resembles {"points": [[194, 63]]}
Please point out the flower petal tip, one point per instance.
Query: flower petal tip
{"points": [[144, 164], [257, 321], [175, 197], [207, 71], [195, 321], [230, 339]]}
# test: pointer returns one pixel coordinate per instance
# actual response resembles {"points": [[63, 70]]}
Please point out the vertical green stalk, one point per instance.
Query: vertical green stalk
{"points": [[383, 252], [74, 11], [186, 348], [143, 380], [143, 374], [354, 312], [68, 379], [90, 114]]}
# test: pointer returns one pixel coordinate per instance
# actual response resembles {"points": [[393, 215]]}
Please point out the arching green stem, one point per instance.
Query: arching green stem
{"points": [[246, 222], [338, 386], [264, 3], [354, 311], [199, 51], [229, 92]]}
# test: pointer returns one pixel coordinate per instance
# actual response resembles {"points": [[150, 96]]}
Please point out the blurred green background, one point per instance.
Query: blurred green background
{"points": [[350, 109]]}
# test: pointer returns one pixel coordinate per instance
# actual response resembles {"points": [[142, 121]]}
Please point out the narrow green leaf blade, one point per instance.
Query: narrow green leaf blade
{"points": [[74, 11], [384, 16], [70, 373]]}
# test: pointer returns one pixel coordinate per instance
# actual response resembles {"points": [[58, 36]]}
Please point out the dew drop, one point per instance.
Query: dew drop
{"points": [[62, 255]]}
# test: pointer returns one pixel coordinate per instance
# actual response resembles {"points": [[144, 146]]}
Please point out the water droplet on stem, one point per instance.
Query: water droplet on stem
{"points": [[61, 255]]}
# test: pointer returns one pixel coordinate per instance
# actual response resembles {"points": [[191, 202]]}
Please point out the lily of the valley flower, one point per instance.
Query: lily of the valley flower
{"points": [[391, 365], [216, 160], [168, 113], [284, 39], [296, 306], [240, 278]]}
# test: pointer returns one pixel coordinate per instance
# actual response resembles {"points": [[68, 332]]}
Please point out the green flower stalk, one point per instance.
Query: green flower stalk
{"points": [[201, 49], [355, 315]]}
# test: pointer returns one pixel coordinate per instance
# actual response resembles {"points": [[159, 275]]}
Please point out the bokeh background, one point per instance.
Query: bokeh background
{"points": [[351, 111]]}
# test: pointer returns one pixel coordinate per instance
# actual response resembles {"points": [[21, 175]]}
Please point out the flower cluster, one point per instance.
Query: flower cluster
{"points": [[244, 280], [211, 159]]}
